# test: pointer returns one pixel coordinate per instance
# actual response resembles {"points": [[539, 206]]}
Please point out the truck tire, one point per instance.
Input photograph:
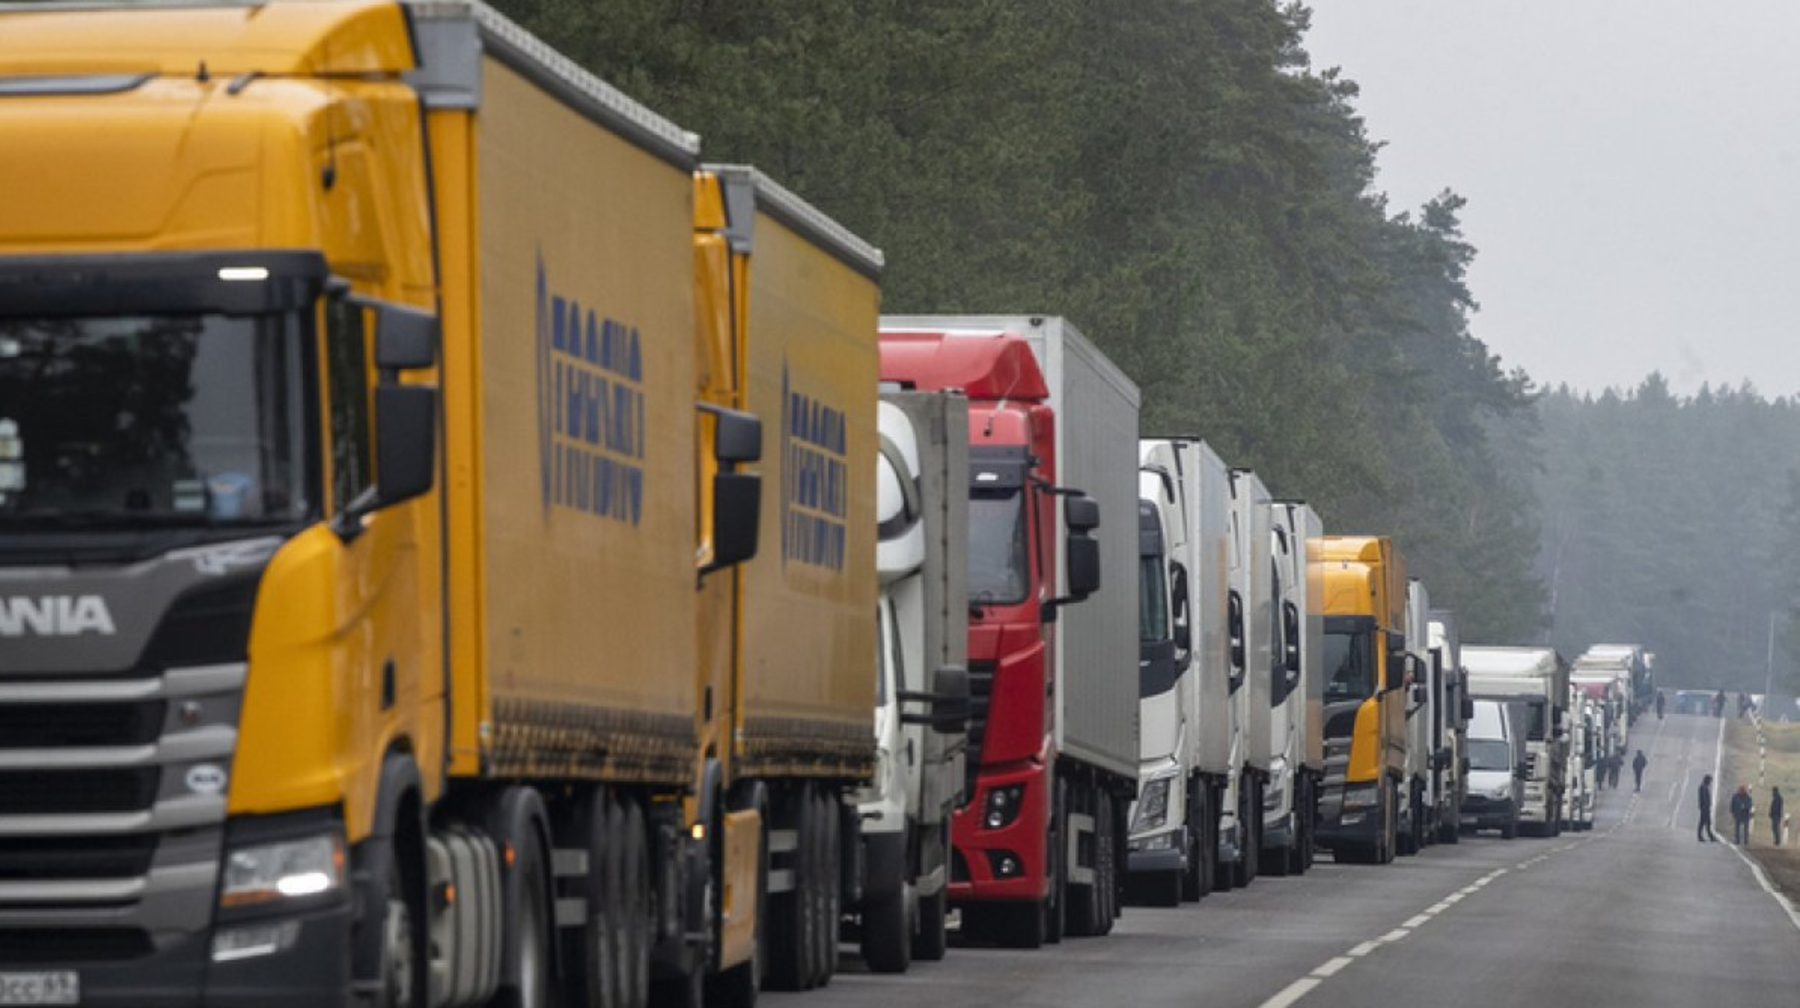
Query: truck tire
{"points": [[599, 947], [1390, 830], [830, 884], [793, 947], [1106, 864], [399, 961], [535, 982], [1197, 879], [932, 938], [638, 914], [1085, 903], [1510, 831], [887, 940]]}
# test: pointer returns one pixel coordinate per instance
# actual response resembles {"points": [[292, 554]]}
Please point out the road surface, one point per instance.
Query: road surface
{"points": [[1633, 914]]}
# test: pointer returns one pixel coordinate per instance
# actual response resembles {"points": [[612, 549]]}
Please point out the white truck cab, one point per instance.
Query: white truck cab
{"points": [[1496, 790]]}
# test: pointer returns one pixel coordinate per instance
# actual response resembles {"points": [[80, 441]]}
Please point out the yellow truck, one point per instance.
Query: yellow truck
{"points": [[393, 606], [1368, 684]]}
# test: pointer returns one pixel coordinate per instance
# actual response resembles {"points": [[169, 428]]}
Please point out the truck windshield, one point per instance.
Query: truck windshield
{"points": [[1489, 754], [1349, 665], [152, 420], [1153, 601], [999, 570]]}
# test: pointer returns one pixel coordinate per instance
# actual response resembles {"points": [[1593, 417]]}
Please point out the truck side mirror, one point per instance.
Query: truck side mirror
{"points": [[1183, 611], [1235, 628], [737, 513], [1468, 707], [1081, 513], [737, 436], [949, 700], [405, 442], [1419, 695], [404, 337], [1290, 619], [1084, 566]]}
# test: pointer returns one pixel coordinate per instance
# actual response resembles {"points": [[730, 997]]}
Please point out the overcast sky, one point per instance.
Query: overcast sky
{"points": [[1632, 169]]}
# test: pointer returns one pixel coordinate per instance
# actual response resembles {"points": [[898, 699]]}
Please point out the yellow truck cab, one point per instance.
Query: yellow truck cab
{"points": [[387, 447], [1366, 688]]}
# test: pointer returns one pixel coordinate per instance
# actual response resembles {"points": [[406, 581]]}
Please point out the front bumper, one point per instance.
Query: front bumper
{"points": [[313, 970], [1488, 813], [1171, 854], [980, 853], [1359, 828]]}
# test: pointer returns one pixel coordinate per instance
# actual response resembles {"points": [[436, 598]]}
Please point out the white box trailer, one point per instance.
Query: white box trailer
{"points": [[1454, 710], [1538, 680], [1184, 671], [1418, 823], [1297, 693], [1253, 610]]}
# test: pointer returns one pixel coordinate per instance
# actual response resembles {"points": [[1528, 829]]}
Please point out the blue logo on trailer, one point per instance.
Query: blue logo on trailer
{"points": [[815, 504], [590, 378]]}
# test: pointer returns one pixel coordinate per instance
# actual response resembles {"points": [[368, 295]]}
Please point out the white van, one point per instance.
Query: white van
{"points": [[1496, 751]]}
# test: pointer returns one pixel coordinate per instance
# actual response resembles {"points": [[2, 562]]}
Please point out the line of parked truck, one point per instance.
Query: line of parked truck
{"points": [[457, 547]]}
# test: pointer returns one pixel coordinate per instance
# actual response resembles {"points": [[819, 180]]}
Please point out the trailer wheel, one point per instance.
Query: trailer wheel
{"points": [[932, 938], [1194, 880], [828, 905], [534, 935], [790, 925], [1107, 863], [637, 916], [599, 947]]}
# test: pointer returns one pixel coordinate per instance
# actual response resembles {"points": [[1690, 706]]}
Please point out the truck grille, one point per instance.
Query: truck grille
{"points": [[75, 857], [72, 945], [981, 692], [67, 724], [59, 792]]}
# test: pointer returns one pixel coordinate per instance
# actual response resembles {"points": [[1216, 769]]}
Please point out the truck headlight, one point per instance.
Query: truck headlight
{"points": [[1157, 842], [284, 869], [1153, 805], [1002, 806], [1359, 796]]}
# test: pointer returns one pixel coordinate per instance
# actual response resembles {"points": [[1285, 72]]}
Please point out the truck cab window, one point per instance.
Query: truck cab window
{"points": [[1349, 666], [1153, 606], [999, 567], [346, 349]]}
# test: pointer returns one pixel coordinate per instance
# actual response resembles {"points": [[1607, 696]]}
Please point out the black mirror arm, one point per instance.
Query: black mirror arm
{"points": [[348, 523]]}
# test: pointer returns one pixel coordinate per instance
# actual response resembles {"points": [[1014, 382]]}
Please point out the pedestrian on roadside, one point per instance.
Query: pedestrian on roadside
{"points": [[1637, 767], [1775, 815], [1719, 704], [1704, 831], [1614, 764], [1659, 705], [1742, 808]]}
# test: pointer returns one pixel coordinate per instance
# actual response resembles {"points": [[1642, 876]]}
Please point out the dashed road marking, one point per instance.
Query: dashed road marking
{"points": [[1291, 993], [1330, 967], [1363, 949], [1416, 921]]}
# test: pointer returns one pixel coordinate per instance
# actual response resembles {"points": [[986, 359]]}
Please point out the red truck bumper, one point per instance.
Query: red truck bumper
{"points": [[1004, 862]]}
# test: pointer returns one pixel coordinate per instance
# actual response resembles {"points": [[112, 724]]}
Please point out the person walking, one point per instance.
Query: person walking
{"points": [[1614, 764], [1742, 808], [1659, 705], [1719, 704], [1775, 815], [1704, 832], [1638, 764]]}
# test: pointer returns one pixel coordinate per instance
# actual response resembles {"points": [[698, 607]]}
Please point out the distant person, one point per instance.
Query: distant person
{"points": [[1742, 808], [1614, 764], [1719, 704], [1659, 705], [1704, 831], [1638, 763], [1775, 815]]}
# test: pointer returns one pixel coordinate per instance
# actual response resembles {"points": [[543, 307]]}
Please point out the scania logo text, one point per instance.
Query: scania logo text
{"points": [[54, 616]]}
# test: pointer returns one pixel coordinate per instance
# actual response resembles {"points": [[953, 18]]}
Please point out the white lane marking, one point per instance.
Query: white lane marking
{"points": [[1416, 921], [1364, 949], [1455, 897], [1331, 967], [1396, 934], [1291, 993]]}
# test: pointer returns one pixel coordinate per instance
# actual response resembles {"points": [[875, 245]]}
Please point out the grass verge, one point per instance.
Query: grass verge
{"points": [[1778, 765]]}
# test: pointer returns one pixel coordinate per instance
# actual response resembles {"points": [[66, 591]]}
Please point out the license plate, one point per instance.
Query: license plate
{"points": [[61, 988]]}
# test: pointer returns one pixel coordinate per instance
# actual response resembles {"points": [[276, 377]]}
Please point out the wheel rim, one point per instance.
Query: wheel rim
{"points": [[397, 942]]}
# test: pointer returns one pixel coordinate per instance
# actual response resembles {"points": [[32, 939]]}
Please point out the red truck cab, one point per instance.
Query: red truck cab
{"points": [[1003, 837]]}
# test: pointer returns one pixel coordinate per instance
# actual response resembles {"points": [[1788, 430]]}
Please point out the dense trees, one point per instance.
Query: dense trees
{"points": [[1177, 178], [1669, 520]]}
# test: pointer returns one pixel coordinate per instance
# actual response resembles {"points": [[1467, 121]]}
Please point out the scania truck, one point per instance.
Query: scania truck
{"points": [[1296, 694], [1053, 604], [388, 391], [1366, 697], [921, 698], [1184, 670], [1537, 680], [1252, 628]]}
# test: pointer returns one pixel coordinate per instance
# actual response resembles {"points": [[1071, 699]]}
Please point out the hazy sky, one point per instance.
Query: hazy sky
{"points": [[1632, 169]]}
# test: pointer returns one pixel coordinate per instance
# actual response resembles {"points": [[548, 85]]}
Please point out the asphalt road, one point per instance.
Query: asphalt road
{"points": [[1633, 914]]}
